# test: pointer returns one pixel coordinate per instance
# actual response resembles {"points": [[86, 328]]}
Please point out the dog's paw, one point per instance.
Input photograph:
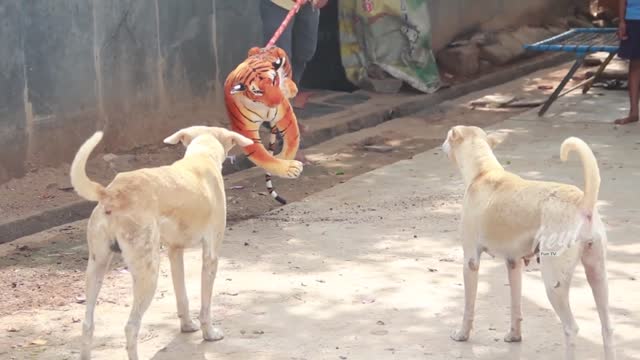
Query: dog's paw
{"points": [[459, 335], [512, 336], [210, 333], [188, 326]]}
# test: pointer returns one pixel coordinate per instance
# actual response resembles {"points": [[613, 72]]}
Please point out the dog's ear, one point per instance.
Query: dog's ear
{"points": [[186, 135], [229, 138], [456, 135], [179, 136], [240, 140], [495, 139]]}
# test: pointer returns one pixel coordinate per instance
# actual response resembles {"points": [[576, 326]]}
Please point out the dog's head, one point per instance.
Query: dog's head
{"points": [[227, 138], [466, 141]]}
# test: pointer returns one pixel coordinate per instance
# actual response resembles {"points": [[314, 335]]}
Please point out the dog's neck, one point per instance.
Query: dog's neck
{"points": [[209, 147], [479, 160]]}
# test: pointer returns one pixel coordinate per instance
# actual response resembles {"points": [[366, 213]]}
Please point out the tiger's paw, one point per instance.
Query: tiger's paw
{"points": [[293, 169]]}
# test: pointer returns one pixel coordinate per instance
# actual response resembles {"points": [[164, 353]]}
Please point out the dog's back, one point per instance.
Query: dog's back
{"points": [[182, 190], [508, 207], [184, 197]]}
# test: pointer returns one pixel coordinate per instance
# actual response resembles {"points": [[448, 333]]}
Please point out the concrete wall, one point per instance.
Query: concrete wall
{"points": [[449, 18], [135, 68], [139, 69]]}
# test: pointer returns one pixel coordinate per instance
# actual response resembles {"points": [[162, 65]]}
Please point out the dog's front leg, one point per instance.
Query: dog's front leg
{"points": [[209, 270], [470, 272], [176, 258], [514, 267]]}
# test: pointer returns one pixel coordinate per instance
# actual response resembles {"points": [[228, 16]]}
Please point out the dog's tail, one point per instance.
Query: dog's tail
{"points": [[84, 186], [590, 166]]}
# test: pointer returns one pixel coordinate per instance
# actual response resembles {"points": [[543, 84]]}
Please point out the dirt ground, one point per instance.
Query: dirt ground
{"points": [[370, 269], [47, 271], [45, 188], [38, 275]]}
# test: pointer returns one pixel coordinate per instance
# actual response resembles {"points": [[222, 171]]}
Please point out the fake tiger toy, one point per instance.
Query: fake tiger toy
{"points": [[258, 91]]}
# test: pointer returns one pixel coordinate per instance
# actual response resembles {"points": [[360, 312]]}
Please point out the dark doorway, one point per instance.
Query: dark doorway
{"points": [[325, 70]]}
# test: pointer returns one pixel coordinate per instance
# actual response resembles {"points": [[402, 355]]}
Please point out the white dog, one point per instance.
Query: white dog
{"points": [[518, 219], [181, 205]]}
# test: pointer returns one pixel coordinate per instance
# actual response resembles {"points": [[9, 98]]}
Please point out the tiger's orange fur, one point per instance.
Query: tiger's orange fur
{"points": [[258, 91]]}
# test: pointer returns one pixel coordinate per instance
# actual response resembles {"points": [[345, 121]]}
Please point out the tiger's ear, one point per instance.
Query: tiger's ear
{"points": [[254, 50], [279, 52], [237, 88]]}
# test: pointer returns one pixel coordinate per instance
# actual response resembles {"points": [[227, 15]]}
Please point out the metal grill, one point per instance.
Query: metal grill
{"points": [[581, 42], [586, 40]]}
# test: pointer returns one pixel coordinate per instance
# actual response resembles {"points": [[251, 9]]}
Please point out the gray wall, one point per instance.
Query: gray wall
{"points": [[141, 68], [450, 18], [135, 68]]}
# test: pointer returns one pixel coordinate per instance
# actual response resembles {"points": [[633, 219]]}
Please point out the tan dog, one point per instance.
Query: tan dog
{"points": [[518, 219], [179, 206]]}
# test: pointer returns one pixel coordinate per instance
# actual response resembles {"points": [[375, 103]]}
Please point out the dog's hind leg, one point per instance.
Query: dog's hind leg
{"points": [[210, 249], [514, 268], [99, 259], [593, 260], [176, 258], [141, 253], [557, 272]]}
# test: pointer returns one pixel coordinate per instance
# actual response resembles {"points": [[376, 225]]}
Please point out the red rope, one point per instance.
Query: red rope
{"points": [[285, 22]]}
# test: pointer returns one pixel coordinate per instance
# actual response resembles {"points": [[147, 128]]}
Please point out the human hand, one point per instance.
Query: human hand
{"points": [[622, 30], [319, 4]]}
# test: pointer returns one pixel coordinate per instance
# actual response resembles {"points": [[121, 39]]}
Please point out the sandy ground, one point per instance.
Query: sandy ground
{"points": [[369, 268]]}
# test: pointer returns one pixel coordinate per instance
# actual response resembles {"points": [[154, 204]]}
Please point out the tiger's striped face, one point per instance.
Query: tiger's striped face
{"points": [[260, 76]]}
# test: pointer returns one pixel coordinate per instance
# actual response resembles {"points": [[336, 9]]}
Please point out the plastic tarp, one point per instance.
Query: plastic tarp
{"points": [[389, 35]]}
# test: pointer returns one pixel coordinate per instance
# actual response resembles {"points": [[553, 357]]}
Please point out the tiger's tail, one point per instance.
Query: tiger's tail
{"points": [[267, 176]]}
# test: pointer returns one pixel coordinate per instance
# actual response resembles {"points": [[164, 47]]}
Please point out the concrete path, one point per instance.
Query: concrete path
{"points": [[371, 269]]}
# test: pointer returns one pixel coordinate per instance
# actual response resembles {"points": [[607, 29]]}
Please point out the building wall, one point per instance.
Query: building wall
{"points": [[135, 68], [140, 68], [449, 18]]}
